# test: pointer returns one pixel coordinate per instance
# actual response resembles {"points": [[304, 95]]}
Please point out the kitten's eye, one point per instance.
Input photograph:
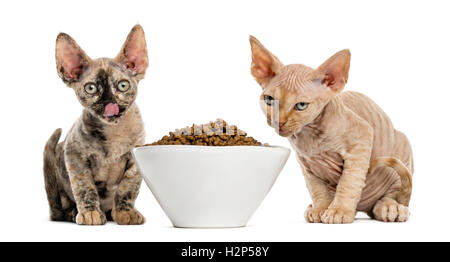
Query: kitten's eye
{"points": [[301, 106], [90, 88], [269, 100], [123, 85]]}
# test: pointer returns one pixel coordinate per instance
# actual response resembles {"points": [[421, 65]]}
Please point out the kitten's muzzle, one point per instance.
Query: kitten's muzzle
{"points": [[282, 130], [111, 111]]}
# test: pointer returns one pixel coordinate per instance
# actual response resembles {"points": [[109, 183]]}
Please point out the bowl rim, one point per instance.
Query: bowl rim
{"points": [[212, 148]]}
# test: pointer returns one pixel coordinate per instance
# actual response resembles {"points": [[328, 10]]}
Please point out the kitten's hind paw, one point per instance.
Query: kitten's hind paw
{"points": [[388, 210], [90, 218], [128, 217]]}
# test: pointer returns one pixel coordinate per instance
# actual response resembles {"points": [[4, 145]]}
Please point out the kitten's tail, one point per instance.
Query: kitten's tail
{"points": [[404, 173], [51, 183]]}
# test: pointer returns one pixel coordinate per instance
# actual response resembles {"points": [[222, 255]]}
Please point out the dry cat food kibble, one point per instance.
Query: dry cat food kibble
{"points": [[217, 133]]}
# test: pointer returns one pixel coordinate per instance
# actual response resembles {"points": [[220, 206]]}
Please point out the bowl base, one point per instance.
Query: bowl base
{"points": [[209, 227]]}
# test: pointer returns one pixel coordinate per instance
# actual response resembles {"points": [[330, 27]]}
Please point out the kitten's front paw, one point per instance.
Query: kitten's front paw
{"points": [[337, 215], [312, 215], [390, 211], [91, 218], [128, 217]]}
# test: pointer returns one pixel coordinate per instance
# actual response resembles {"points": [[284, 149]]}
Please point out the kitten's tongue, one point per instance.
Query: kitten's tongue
{"points": [[111, 109]]}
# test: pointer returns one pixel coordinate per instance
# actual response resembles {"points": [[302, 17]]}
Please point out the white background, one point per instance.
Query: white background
{"points": [[199, 70]]}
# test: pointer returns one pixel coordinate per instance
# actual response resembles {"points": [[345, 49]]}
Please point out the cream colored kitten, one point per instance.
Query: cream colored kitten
{"points": [[351, 156]]}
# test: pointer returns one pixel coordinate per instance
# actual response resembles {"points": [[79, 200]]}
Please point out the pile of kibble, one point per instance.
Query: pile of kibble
{"points": [[217, 133]]}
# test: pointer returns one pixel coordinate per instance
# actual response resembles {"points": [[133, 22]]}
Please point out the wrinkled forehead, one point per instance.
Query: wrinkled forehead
{"points": [[296, 82], [104, 67]]}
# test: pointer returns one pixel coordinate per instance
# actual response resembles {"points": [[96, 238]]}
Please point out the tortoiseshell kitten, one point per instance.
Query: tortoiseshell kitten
{"points": [[91, 176]]}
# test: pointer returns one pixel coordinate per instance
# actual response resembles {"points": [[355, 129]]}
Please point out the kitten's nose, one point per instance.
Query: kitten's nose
{"points": [[281, 124]]}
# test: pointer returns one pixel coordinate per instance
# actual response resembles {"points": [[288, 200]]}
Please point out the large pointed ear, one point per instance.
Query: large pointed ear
{"points": [[264, 64], [334, 72], [133, 55], [71, 60]]}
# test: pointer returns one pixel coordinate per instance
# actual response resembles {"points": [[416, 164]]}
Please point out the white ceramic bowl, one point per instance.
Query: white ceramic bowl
{"points": [[206, 186]]}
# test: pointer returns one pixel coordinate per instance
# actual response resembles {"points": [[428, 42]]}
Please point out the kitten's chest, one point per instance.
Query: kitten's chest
{"points": [[116, 151], [120, 139], [319, 159]]}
